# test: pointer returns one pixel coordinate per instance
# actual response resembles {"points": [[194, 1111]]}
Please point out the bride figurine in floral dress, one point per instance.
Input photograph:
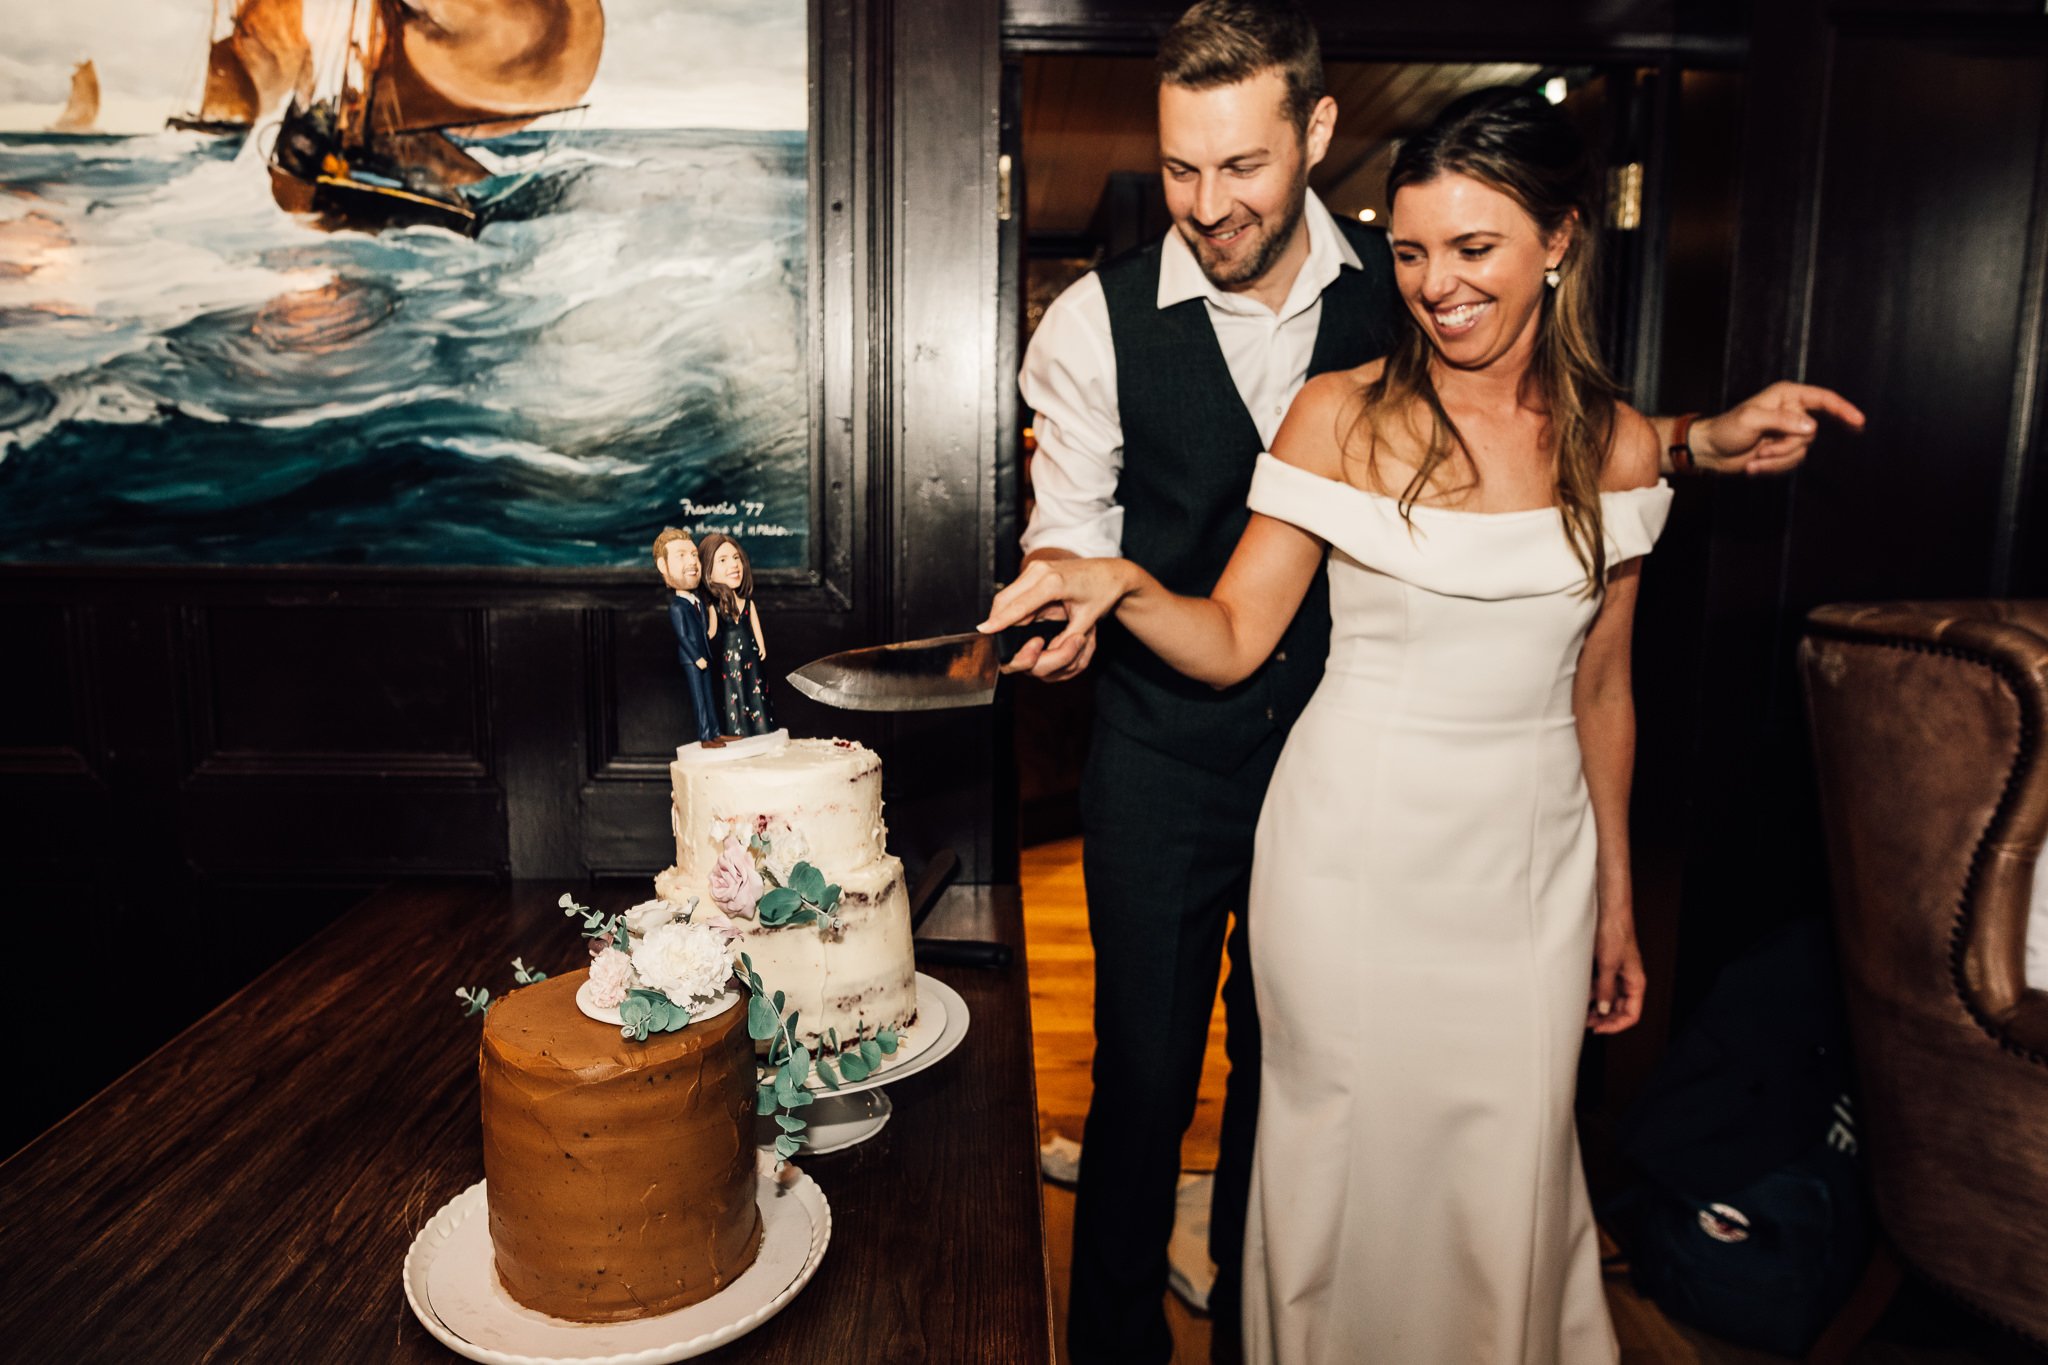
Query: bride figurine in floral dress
{"points": [[741, 648]]}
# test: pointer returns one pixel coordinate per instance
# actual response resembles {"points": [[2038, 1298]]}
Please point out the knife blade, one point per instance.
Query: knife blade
{"points": [[934, 674]]}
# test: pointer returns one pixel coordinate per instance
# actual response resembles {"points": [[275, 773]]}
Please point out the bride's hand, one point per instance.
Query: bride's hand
{"points": [[1083, 591], [1618, 977]]}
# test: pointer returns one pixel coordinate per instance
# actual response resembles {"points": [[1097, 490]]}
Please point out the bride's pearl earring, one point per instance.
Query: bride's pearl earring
{"points": [[1551, 277]]}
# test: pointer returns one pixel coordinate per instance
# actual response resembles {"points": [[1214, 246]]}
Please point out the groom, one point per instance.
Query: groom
{"points": [[1156, 380], [677, 561]]}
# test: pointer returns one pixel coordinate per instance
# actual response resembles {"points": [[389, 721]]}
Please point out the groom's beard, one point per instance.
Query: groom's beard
{"points": [[1235, 270]]}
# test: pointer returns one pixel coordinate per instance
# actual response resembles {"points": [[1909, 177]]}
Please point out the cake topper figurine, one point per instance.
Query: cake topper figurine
{"points": [[676, 559], [736, 620]]}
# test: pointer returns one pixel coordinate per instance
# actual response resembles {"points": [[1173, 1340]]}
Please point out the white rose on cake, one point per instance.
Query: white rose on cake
{"points": [[688, 963], [785, 850], [647, 914]]}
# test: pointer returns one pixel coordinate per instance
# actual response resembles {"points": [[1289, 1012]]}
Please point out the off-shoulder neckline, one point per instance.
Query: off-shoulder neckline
{"points": [[1434, 510]]}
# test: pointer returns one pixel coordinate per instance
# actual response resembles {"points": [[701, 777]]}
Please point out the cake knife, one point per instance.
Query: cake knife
{"points": [[918, 675]]}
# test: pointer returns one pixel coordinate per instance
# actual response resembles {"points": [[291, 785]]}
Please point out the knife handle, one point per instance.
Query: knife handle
{"points": [[1011, 639]]}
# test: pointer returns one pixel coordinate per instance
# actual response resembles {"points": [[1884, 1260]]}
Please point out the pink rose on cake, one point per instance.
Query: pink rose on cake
{"points": [[688, 963], [735, 884], [716, 921], [611, 976]]}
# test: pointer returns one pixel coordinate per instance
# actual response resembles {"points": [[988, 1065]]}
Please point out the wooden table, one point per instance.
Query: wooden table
{"points": [[248, 1193]]}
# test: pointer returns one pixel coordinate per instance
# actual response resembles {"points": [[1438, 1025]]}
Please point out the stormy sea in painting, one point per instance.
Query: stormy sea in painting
{"points": [[188, 374]]}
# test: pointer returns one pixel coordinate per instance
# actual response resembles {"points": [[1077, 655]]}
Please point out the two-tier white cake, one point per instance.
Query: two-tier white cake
{"points": [[802, 800]]}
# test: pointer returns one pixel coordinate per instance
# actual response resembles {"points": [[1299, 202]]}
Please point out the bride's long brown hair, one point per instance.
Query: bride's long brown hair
{"points": [[1517, 142]]}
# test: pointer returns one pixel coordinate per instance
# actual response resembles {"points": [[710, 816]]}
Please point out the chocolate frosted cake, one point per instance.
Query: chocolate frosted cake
{"points": [[621, 1174]]}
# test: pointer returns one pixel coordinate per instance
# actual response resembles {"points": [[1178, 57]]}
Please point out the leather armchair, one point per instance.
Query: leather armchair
{"points": [[1929, 725]]}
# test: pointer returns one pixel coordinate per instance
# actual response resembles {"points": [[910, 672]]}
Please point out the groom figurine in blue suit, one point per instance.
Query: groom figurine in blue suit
{"points": [[675, 557]]}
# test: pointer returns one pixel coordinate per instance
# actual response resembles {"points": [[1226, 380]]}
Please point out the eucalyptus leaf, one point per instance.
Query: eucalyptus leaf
{"points": [[852, 1067], [807, 881], [826, 1074], [762, 1021], [790, 1123], [784, 1091], [800, 1060], [803, 1097], [871, 1053], [764, 1100], [786, 1146]]}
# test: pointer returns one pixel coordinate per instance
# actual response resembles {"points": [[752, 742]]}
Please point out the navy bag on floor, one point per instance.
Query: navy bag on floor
{"points": [[1752, 1219]]}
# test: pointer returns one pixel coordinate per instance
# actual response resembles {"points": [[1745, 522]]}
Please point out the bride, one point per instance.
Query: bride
{"points": [[1441, 886]]}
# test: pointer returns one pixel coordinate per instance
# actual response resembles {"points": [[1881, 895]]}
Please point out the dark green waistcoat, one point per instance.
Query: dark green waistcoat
{"points": [[1189, 449]]}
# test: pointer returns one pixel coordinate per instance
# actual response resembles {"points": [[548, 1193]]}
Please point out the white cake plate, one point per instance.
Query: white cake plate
{"points": [[609, 1014], [941, 1024], [454, 1291], [835, 1121]]}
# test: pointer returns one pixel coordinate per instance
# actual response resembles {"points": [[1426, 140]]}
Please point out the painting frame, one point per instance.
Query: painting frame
{"points": [[834, 439]]}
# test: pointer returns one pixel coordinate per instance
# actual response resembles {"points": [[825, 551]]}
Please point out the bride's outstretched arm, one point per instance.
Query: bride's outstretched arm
{"points": [[1219, 639], [1222, 638]]}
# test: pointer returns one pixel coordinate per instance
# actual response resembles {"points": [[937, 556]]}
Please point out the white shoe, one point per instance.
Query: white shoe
{"points": [[1060, 1160], [1189, 1271]]}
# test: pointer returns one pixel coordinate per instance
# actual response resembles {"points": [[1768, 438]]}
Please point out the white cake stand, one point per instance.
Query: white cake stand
{"points": [[454, 1291], [856, 1111]]}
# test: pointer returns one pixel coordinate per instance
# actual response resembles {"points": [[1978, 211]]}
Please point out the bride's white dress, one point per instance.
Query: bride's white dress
{"points": [[1422, 940]]}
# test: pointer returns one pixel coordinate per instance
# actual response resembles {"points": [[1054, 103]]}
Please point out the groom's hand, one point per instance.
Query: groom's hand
{"points": [[1769, 432], [1060, 659]]}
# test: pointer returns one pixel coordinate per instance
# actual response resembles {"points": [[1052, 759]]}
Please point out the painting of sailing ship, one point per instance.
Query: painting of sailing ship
{"points": [[404, 282]]}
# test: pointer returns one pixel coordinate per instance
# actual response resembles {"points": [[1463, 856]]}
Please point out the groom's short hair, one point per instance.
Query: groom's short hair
{"points": [[670, 534], [1222, 42]]}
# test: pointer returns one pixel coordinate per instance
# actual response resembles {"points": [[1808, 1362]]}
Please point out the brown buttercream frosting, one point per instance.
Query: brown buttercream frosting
{"points": [[620, 1174]]}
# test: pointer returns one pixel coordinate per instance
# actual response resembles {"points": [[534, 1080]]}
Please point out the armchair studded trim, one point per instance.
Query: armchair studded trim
{"points": [[1929, 723]]}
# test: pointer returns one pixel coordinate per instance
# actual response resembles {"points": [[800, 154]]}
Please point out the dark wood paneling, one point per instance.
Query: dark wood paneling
{"points": [[1924, 223], [42, 729], [1890, 247], [341, 691]]}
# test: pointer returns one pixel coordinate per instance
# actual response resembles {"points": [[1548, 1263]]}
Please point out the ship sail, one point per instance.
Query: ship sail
{"points": [[82, 110], [485, 66], [270, 41], [261, 58], [230, 96]]}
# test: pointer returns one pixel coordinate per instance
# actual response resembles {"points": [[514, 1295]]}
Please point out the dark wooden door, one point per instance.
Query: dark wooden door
{"points": [[1893, 238]]}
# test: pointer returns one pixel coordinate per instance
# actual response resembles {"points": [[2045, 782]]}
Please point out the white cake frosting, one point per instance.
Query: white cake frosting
{"points": [[818, 801]]}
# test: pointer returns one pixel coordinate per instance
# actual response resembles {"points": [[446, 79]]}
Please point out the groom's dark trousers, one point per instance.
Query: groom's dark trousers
{"points": [[1176, 774]]}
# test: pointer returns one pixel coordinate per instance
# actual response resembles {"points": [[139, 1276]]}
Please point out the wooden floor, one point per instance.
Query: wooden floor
{"points": [[1062, 995]]}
